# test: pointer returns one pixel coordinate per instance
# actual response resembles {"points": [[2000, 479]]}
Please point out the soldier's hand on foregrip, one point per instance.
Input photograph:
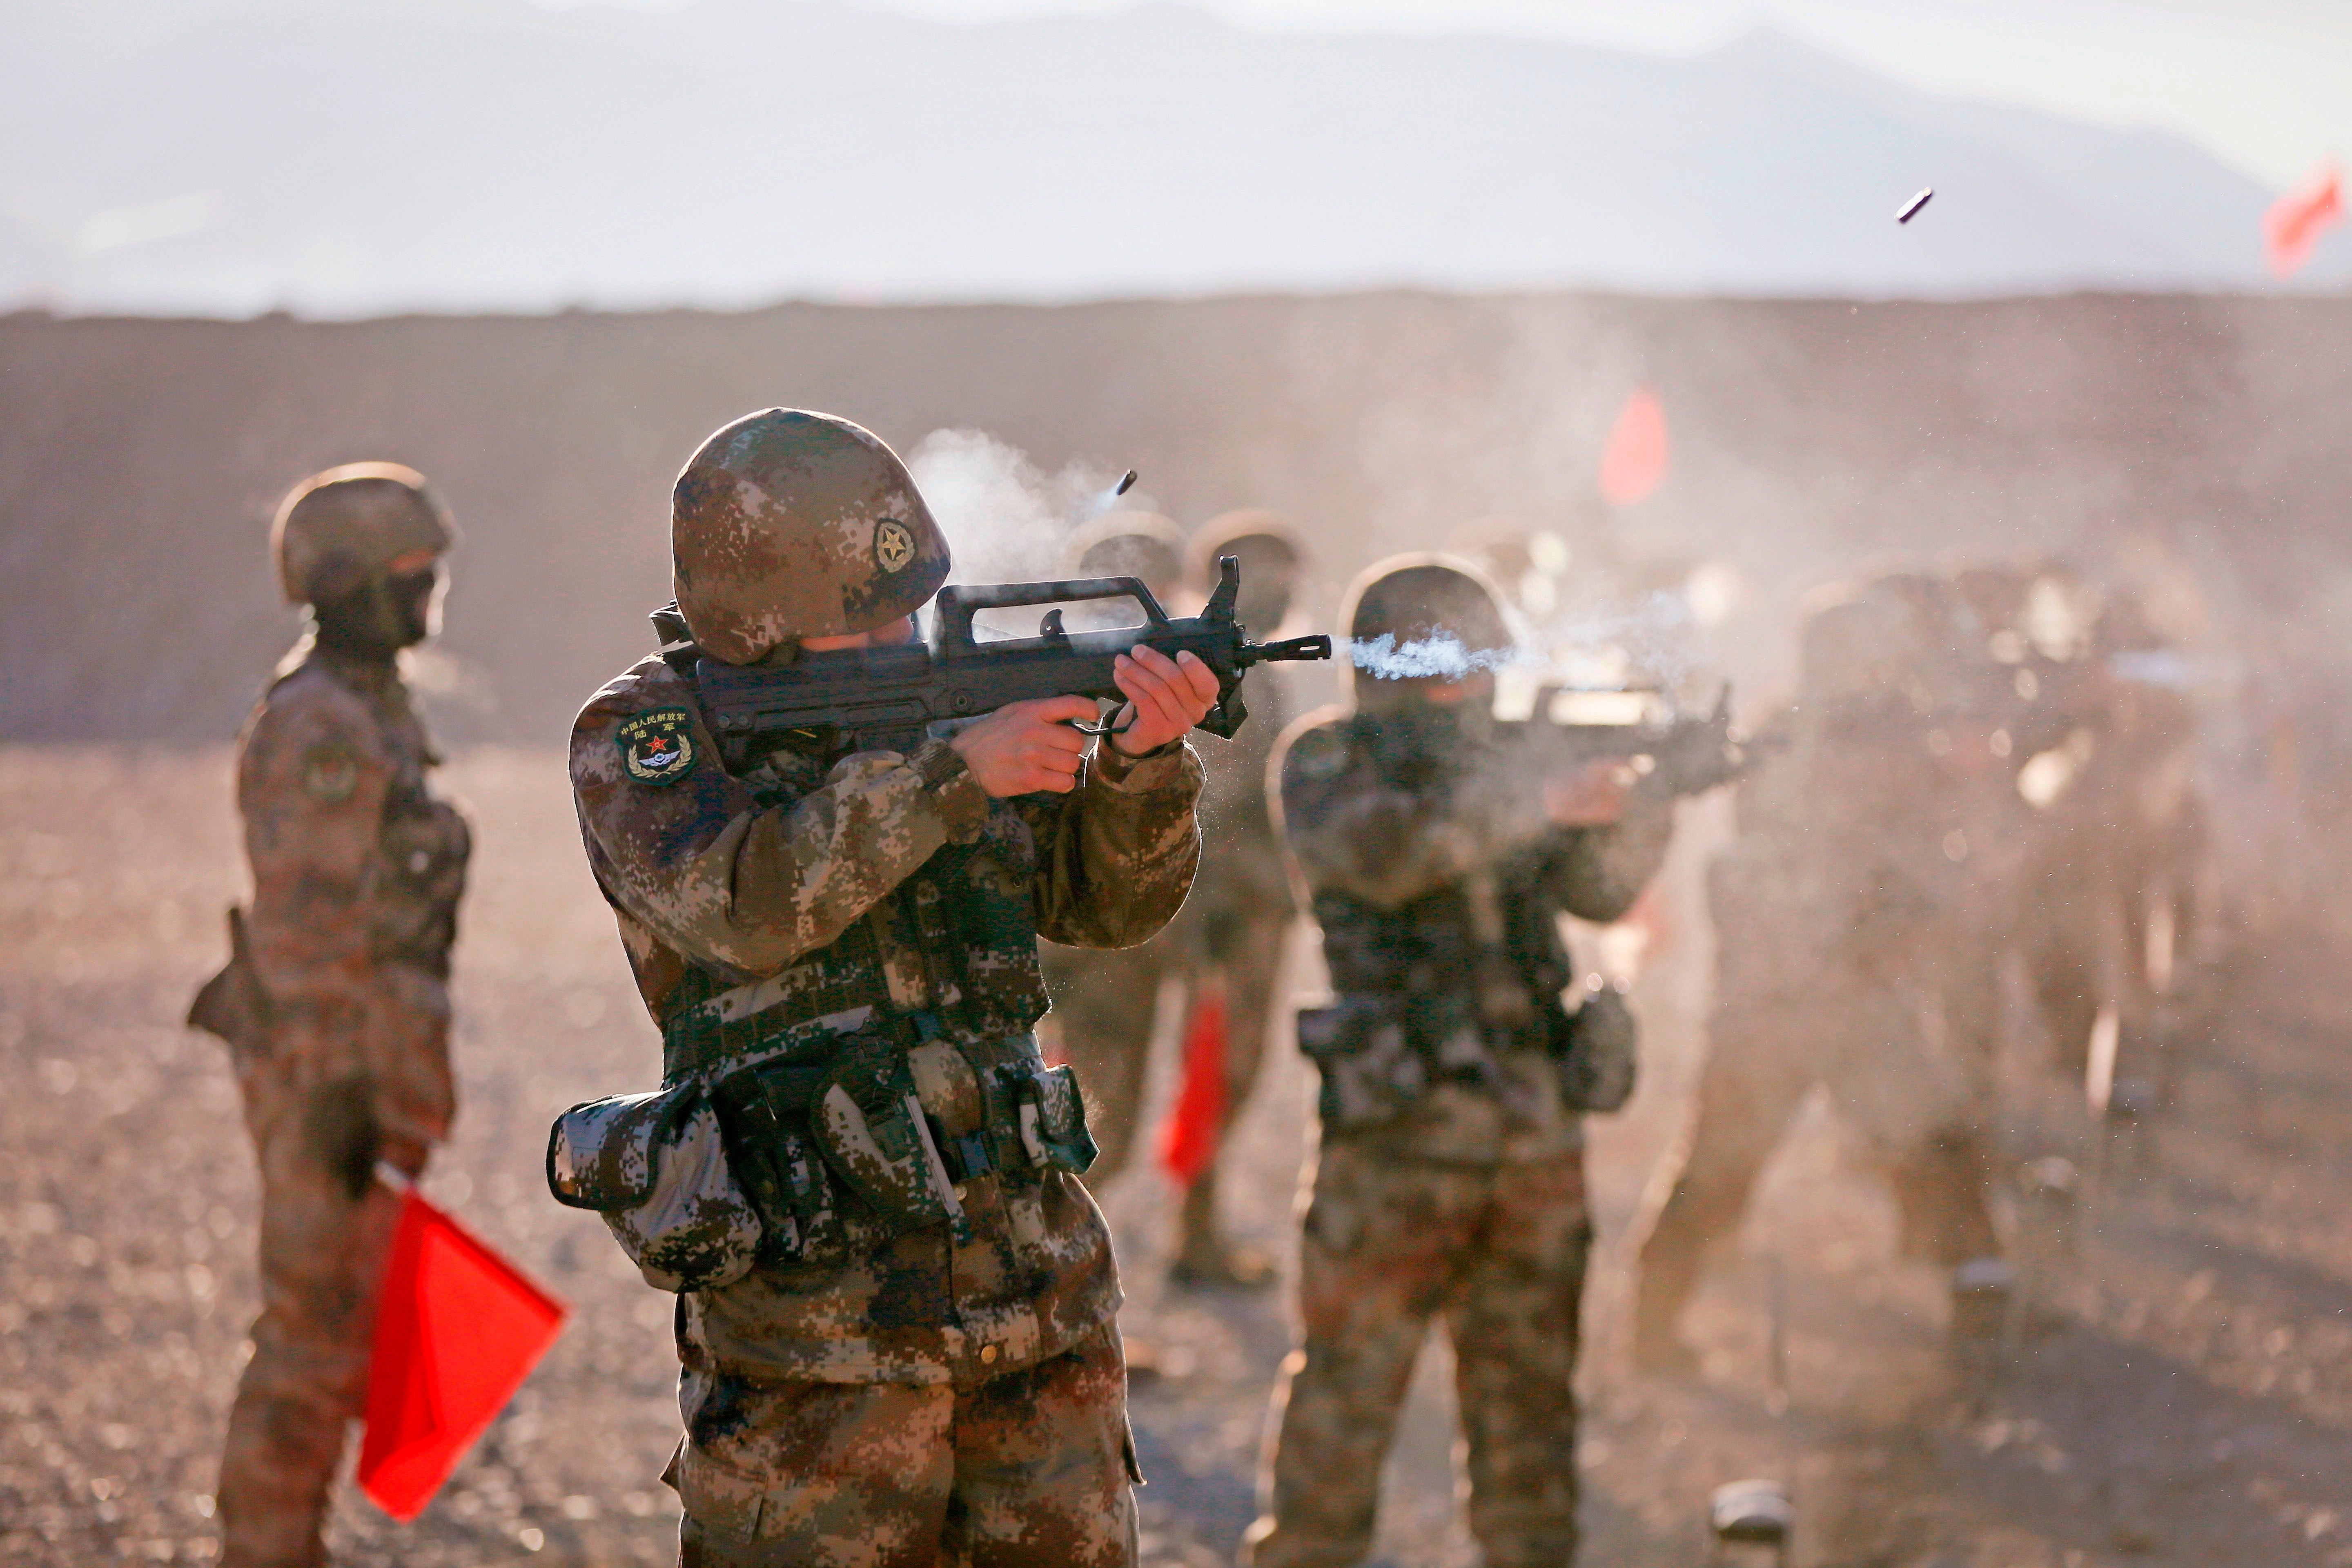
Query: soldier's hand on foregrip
{"points": [[1026, 748], [1166, 697]]}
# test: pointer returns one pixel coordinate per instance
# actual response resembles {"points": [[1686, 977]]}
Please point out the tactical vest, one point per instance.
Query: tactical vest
{"points": [[815, 1141], [968, 911], [1434, 990]]}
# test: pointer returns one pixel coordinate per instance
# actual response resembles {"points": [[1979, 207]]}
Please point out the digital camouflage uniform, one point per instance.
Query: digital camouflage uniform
{"points": [[1450, 1178], [336, 1008], [1864, 907], [871, 1393]]}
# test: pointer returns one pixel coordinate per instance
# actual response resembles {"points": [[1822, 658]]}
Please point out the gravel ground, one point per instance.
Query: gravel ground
{"points": [[2183, 1395]]}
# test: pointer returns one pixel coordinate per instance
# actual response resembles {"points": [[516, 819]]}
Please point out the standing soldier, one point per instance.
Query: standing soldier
{"points": [[1227, 944], [1233, 929], [1450, 1178], [840, 948], [335, 1002], [1104, 1001]]}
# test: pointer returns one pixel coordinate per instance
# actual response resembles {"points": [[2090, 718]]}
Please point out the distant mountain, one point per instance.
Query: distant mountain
{"points": [[359, 157]]}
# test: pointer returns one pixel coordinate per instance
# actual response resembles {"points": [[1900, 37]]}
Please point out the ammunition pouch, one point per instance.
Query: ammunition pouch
{"points": [[786, 1161], [655, 1167], [1598, 1049], [1364, 1054], [870, 1124], [232, 1004]]}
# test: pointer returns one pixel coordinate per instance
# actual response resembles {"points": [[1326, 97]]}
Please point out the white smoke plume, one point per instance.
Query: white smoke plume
{"points": [[1652, 641], [1441, 657], [1007, 520]]}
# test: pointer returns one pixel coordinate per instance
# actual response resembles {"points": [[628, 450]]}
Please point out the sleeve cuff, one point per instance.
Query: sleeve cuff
{"points": [[963, 806], [1171, 765]]}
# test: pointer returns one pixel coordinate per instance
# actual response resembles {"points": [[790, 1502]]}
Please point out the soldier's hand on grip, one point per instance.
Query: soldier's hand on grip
{"points": [[1165, 699], [1024, 747]]}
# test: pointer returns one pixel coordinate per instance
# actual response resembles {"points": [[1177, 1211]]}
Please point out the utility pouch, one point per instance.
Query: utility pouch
{"points": [[232, 1003], [655, 1167], [1598, 1049], [1053, 1114], [764, 1115], [866, 1121], [1370, 1072]]}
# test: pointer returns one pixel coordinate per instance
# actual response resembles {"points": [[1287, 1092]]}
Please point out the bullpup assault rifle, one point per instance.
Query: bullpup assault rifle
{"points": [[1671, 756], [889, 699]]}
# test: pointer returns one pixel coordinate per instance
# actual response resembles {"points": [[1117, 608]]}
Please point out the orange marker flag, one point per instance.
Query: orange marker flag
{"points": [[2295, 221], [1634, 462], [457, 1330], [1190, 1141]]}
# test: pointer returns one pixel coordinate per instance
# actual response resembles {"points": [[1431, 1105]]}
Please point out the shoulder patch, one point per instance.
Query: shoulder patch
{"points": [[894, 544], [657, 748], [330, 771]]}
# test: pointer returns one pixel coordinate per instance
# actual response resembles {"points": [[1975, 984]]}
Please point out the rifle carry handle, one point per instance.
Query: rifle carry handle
{"points": [[952, 637]]}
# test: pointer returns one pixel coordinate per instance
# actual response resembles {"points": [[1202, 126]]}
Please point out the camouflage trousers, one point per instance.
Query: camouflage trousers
{"points": [[1033, 1468], [1499, 1252], [322, 1259], [1104, 1003]]}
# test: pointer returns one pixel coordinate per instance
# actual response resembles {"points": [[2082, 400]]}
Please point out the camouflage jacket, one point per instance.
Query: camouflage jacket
{"points": [[819, 878], [1436, 891], [357, 871]]}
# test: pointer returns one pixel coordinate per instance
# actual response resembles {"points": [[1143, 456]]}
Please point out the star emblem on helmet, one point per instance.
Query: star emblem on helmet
{"points": [[894, 544]]}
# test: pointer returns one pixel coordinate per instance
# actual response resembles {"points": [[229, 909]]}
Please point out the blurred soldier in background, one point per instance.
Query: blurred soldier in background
{"points": [[2117, 914], [1450, 1178], [1227, 944], [1862, 911], [1104, 999], [335, 1002]]}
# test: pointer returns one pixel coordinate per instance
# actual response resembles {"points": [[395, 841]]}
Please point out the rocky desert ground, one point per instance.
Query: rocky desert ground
{"points": [[2182, 1393]]}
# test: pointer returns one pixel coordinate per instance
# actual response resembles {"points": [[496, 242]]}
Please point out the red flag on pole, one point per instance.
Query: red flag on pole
{"points": [[457, 1332], [1634, 462], [2295, 221], [1190, 1141]]}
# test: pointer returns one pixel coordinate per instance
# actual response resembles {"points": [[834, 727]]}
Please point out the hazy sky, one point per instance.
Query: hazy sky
{"points": [[2266, 84]]}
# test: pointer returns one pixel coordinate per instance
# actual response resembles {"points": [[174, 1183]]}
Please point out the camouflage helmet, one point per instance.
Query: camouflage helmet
{"points": [[338, 530], [789, 524], [1130, 544], [1270, 557], [1414, 599]]}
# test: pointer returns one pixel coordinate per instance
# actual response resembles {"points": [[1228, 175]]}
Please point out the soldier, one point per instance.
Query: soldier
{"points": [[335, 1002], [1234, 924], [1450, 1177], [840, 947], [1104, 1001], [1227, 947], [1860, 949]]}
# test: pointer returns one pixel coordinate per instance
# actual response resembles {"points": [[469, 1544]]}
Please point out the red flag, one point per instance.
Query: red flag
{"points": [[1634, 462], [2295, 221], [457, 1332], [1190, 1139]]}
